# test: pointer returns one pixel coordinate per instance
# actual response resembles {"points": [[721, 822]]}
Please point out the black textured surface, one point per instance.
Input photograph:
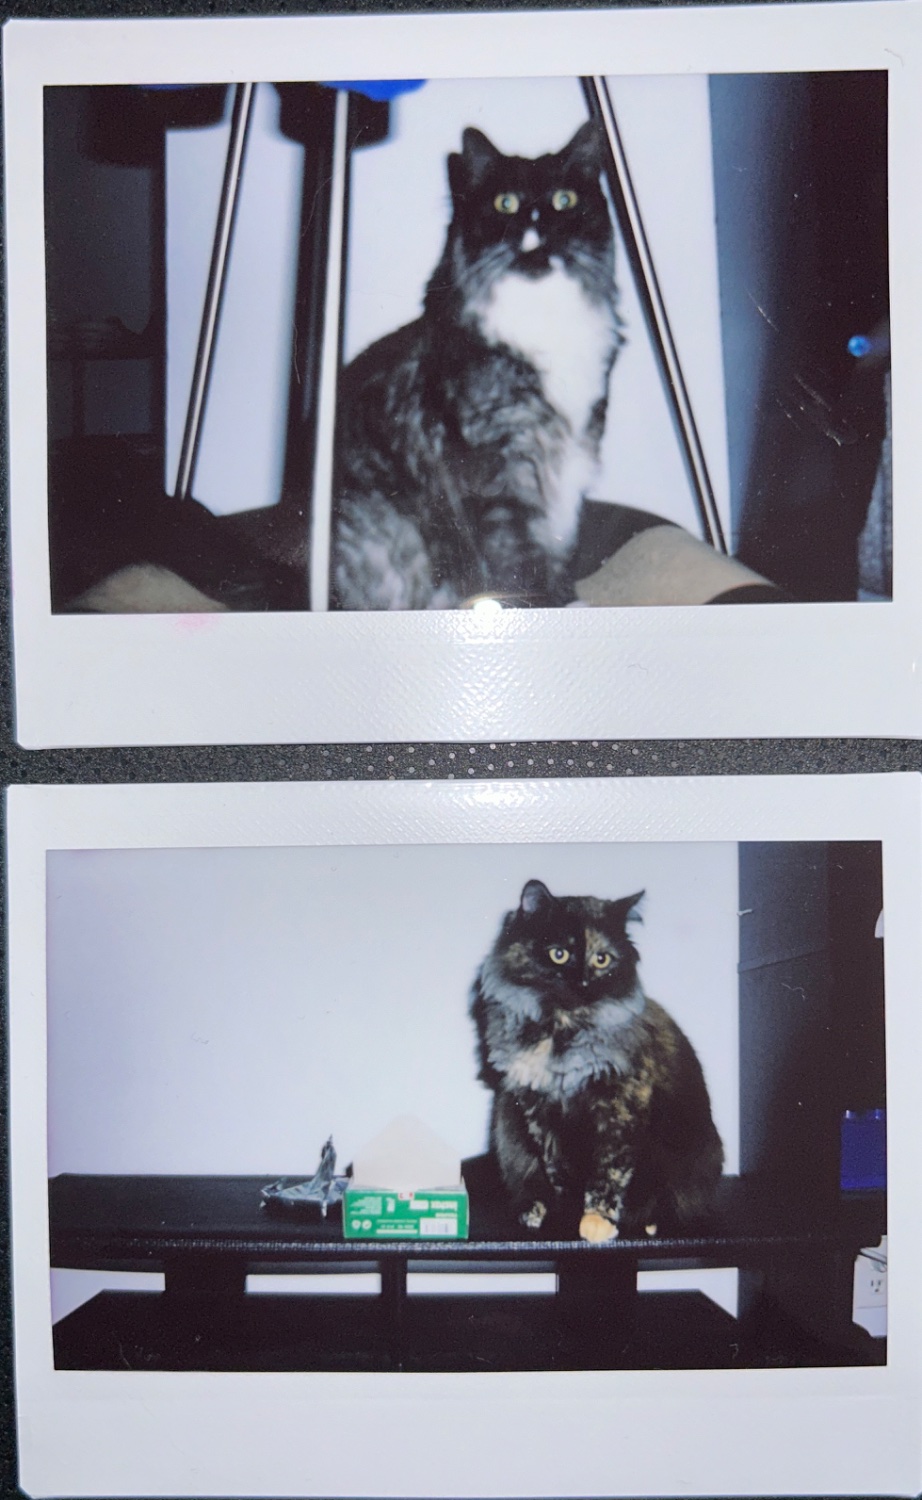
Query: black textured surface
{"points": [[141, 1223], [145, 1331], [115, 9], [425, 762], [377, 762]]}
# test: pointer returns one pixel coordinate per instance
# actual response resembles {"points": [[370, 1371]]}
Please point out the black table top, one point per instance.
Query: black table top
{"points": [[140, 1223]]}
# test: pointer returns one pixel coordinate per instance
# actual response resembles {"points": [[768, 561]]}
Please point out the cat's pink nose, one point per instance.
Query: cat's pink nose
{"points": [[531, 239]]}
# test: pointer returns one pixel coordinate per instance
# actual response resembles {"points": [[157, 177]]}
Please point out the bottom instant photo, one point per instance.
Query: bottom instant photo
{"points": [[390, 1083], [621, 1058]]}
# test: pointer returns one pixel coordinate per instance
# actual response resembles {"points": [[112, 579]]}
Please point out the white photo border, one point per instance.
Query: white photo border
{"points": [[747, 1432], [700, 672]]}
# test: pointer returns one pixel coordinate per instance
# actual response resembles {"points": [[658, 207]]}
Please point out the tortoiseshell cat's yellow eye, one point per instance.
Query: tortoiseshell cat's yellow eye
{"points": [[564, 198], [507, 203], [600, 961], [558, 955]]}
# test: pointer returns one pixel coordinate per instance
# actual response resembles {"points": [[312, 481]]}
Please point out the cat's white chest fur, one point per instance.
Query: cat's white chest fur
{"points": [[569, 340]]}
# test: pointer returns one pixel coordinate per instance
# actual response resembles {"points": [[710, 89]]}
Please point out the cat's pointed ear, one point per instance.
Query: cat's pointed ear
{"points": [[583, 152], [478, 155], [535, 896], [628, 908]]}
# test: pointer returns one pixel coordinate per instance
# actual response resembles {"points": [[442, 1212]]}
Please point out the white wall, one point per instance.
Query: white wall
{"points": [[223, 1011], [399, 210], [242, 450]]}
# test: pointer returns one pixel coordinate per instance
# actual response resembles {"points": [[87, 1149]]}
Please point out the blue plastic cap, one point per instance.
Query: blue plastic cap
{"points": [[381, 90], [859, 345]]}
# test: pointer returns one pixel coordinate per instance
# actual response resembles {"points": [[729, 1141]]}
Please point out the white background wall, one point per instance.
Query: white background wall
{"points": [[399, 210], [241, 456], [223, 1011]]}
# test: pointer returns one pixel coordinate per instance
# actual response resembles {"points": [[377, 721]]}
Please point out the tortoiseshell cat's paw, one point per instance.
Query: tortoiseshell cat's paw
{"points": [[535, 1216], [595, 1229]]}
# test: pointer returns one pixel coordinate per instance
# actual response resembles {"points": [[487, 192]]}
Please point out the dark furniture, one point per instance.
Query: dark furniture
{"points": [[207, 1234]]}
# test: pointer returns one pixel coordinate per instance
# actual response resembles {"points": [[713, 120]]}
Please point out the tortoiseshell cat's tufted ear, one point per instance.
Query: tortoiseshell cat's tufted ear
{"points": [[534, 896], [627, 909]]}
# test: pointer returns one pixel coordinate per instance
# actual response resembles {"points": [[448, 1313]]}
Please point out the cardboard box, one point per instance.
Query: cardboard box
{"points": [[386, 1199], [378, 1214]]}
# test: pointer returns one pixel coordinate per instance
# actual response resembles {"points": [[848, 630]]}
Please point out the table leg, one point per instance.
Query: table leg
{"points": [[394, 1297], [596, 1303], [205, 1276]]}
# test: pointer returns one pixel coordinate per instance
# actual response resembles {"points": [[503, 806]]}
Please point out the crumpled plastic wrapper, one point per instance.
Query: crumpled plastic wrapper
{"points": [[312, 1197]]}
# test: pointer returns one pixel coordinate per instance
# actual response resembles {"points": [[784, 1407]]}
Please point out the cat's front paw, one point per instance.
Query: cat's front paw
{"points": [[594, 1228], [535, 1216]]}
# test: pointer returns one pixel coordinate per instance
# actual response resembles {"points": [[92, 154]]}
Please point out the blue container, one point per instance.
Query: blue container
{"points": [[864, 1150]]}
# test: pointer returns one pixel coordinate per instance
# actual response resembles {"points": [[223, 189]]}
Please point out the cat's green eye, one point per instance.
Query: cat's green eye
{"points": [[600, 961], [564, 198], [558, 955], [507, 203]]}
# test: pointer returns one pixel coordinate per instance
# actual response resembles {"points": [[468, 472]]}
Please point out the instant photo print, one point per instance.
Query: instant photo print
{"points": [[783, 1006], [391, 399], [219, 994]]}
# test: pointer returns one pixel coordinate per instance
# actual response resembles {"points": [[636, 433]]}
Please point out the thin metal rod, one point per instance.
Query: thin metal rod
{"points": [[241, 115], [328, 374], [630, 223]]}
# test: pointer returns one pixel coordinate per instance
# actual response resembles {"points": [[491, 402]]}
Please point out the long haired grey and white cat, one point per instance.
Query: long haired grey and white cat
{"points": [[467, 439], [601, 1115]]}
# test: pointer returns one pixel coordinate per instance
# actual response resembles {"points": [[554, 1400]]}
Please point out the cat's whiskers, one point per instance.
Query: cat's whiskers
{"points": [[597, 276], [475, 277]]}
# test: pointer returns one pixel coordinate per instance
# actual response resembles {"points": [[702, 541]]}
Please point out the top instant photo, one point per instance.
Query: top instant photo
{"points": [[473, 402]]}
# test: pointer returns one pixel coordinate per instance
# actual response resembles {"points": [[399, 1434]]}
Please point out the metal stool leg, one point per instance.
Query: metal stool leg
{"points": [[630, 223], [328, 374], [241, 116]]}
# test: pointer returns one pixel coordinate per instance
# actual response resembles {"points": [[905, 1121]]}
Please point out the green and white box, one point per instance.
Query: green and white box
{"points": [[434, 1214], [387, 1199]]}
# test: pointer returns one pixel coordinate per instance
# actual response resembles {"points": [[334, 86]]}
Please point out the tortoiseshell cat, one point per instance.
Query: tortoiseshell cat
{"points": [[467, 439], [601, 1111]]}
